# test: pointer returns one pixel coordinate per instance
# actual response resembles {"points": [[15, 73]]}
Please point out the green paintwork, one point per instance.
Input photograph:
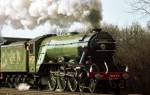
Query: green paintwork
{"points": [[61, 46], [33, 56], [13, 58], [32, 63], [62, 51], [62, 38]]}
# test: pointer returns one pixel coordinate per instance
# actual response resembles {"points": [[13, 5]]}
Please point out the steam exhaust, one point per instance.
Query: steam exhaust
{"points": [[23, 87]]}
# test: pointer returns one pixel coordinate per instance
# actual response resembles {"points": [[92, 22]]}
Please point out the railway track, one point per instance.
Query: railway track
{"points": [[8, 91]]}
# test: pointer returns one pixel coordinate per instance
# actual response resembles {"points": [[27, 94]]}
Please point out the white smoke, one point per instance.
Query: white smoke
{"points": [[62, 13], [78, 27], [23, 87]]}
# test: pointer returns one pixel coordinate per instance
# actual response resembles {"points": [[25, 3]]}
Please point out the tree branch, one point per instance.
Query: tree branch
{"points": [[141, 6]]}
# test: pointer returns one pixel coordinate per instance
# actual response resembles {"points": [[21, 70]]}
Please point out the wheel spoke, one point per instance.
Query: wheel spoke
{"points": [[61, 83], [52, 82], [12, 81], [72, 84], [81, 85], [92, 85]]}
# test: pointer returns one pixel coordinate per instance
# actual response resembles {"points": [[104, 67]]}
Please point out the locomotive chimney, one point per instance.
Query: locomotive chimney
{"points": [[96, 30]]}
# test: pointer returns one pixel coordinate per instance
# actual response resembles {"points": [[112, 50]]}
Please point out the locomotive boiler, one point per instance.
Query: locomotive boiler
{"points": [[77, 61]]}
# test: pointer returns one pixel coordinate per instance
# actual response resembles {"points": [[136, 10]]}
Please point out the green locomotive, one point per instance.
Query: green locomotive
{"points": [[77, 61]]}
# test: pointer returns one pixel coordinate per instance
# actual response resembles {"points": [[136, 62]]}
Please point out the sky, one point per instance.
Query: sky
{"points": [[115, 12], [118, 12]]}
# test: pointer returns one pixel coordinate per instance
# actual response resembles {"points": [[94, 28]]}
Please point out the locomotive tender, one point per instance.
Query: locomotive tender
{"points": [[76, 62]]}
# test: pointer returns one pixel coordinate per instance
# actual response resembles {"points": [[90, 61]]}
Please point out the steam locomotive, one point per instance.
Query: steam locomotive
{"points": [[75, 62]]}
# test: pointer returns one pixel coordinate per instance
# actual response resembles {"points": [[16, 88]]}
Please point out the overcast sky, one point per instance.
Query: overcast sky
{"points": [[118, 12], [114, 12]]}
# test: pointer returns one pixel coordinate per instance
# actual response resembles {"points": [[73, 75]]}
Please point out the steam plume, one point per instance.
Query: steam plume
{"points": [[62, 13], [23, 87]]}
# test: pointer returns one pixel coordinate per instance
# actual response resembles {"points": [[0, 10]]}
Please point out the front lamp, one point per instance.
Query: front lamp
{"points": [[103, 46]]}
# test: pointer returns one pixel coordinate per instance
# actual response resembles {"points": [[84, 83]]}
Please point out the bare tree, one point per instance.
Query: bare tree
{"points": [[1, 39], [141, 6]]}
